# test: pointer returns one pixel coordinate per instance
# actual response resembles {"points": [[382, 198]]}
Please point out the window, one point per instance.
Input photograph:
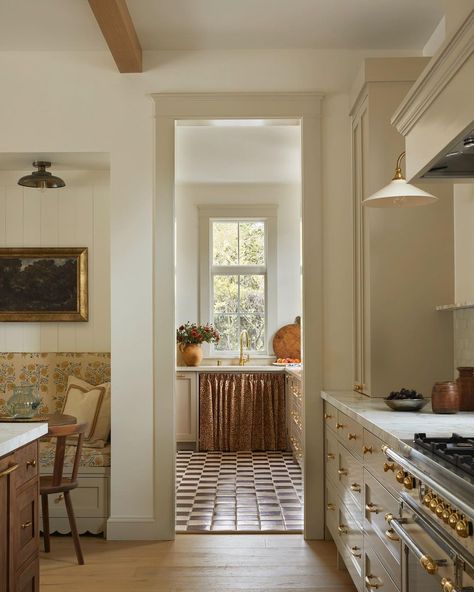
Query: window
{"points": [[240, 271]]}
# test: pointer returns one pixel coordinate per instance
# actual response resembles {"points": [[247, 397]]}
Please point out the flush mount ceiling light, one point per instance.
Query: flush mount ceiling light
{"points": [[399, 194], [41, 179]]}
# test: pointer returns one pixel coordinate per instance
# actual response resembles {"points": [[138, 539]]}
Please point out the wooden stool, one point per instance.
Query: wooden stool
{"points": [[57, 483]]}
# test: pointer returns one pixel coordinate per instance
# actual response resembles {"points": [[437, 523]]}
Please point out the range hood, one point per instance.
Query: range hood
{"points": [[457, 162]]}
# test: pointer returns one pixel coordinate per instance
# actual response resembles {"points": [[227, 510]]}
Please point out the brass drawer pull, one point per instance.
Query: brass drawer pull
{"points": [[356, 487], [367, 450], [390, 534], [339, 426], [26, 524], [59, 498], [330, 456], [343, 472], [31, 463], [352, 436], [355, 551], [9, 471], [372, 508], [372, 585], [327, 416], [342, 529], [331, 507], [388, 466]]}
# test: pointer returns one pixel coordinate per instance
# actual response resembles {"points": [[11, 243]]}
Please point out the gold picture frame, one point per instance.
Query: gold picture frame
{"points": [[44, 284]]}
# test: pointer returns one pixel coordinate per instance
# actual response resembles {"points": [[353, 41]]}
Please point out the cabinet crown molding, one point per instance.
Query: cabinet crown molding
{"points": [[442, 68]]}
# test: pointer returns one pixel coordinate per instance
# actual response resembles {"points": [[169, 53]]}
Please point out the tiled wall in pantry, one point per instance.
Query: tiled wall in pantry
{"points": [[463, 338]]}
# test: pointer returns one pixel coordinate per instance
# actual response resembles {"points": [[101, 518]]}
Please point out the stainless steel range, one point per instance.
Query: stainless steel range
{"points": [[435, 522]]}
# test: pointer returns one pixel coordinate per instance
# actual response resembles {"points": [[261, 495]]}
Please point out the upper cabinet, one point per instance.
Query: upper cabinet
{"points": [[437, 114], [403, 258]]}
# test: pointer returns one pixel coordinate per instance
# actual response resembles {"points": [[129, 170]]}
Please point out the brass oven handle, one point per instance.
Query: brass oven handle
{"points": [[9, 470], [370, 584]]}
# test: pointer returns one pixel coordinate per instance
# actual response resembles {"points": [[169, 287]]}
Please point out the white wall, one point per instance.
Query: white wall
{"points": [[286, 197], [81, 103], [75, 216]]}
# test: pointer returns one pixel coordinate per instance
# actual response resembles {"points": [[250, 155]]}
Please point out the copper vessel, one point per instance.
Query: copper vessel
{"points": [[466, 388], [445, 397]]}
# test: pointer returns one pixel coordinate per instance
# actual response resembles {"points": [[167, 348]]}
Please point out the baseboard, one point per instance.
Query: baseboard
{"points": [[137, 529]]}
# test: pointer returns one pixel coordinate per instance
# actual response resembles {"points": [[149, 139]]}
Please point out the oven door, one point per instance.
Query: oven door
{"points": [[429, 562]]}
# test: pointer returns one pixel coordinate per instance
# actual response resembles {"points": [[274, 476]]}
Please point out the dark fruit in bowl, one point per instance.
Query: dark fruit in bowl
{"points": [[404, 394]]}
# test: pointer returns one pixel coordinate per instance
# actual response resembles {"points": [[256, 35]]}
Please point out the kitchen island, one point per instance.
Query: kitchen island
{"points": [[19, 495]]}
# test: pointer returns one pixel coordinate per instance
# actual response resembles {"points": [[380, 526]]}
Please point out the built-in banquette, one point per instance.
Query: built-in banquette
{"points": [[19, 496], [51, 372], [361, 488]]}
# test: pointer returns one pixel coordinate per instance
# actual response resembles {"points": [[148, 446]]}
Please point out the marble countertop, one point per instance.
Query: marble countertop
{"points": [[394, 426], [15, 435]]}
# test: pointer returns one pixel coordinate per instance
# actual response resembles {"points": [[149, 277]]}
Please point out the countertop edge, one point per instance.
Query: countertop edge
{"points": [[388, 437], [17, 440]]}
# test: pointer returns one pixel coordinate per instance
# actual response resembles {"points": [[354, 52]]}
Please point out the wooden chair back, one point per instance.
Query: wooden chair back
{"points": [[62, 434]]}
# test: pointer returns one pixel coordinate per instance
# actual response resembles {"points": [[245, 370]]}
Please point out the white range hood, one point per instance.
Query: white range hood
{"points": [[437, 115]]}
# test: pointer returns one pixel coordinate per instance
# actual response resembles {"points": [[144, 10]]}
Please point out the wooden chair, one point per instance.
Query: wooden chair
{"points": [[57, 483]]}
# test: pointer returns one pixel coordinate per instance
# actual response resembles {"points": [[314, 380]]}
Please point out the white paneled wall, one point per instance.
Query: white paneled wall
{"points": [[76, 216]]}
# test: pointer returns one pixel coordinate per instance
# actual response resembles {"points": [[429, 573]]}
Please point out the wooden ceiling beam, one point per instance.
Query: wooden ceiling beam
{"points": [[117, 27]]}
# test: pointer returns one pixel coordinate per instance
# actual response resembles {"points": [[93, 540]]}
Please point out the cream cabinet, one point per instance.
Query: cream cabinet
{"points": [[186, 406], [398, 255], [360, 487], [295, 424]]}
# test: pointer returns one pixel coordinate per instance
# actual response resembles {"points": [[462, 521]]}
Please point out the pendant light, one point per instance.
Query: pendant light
{"points": [[41, 179], [399, 194]]}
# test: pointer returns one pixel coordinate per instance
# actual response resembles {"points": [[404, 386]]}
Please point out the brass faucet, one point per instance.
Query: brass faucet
{"points": [[244, 342]]}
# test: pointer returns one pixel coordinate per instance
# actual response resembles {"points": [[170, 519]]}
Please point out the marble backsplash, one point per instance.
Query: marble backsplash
{"points": [[463, 338]]}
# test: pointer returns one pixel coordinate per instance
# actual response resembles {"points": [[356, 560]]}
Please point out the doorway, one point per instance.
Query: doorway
{"points": [[170, 108]]}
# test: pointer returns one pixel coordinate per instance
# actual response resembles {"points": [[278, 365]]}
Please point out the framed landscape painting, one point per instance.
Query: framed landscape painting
{"points": [[43, 284]]}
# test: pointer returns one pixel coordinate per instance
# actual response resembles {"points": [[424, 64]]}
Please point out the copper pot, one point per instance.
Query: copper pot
{"points": [[466, 388], [445, 397]]}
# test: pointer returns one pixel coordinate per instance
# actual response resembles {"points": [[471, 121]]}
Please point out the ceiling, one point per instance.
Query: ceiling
{"points": [[238, 154], [61, 161], [225, 24]]}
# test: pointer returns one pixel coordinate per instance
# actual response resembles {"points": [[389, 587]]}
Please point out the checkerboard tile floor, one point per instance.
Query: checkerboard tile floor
{"points": [[238, 491]]}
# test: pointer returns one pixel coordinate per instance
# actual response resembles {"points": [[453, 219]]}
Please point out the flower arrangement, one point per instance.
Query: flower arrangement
{"points": [[191, 333]]}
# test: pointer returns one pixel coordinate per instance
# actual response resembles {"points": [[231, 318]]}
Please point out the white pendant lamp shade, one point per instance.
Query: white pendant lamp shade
{"points": [[399, 194]]}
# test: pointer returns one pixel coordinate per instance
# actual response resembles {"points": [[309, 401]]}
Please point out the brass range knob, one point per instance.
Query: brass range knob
{"points": [[434, 503], [462, 528], [400, 476], [409, 482], [440, 509], [454, 519], [427, 499], [446, 513], [447, 585]]}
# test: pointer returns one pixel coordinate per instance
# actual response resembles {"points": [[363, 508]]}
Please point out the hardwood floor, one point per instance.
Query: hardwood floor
{"points": [[195, 563]]}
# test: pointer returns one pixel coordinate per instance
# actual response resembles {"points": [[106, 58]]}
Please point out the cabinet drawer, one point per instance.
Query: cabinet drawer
{"points": [[350, 476], [376, 576], [89, 499], [25, 524], [27, 459], [330, 416], [352, 539], [378, 502], [331, 511], [331, 458], [27, 577], [378, 464]]}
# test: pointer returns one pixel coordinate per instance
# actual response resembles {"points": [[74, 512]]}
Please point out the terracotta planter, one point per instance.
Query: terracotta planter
{"points": [[192, 353], [466, 388], [445, 397]]}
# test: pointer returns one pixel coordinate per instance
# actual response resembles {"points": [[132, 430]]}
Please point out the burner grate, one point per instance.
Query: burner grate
{"points": [[456, 450]]}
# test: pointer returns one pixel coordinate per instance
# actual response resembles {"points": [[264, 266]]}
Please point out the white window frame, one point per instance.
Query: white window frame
{"points": [[264, 213]]}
